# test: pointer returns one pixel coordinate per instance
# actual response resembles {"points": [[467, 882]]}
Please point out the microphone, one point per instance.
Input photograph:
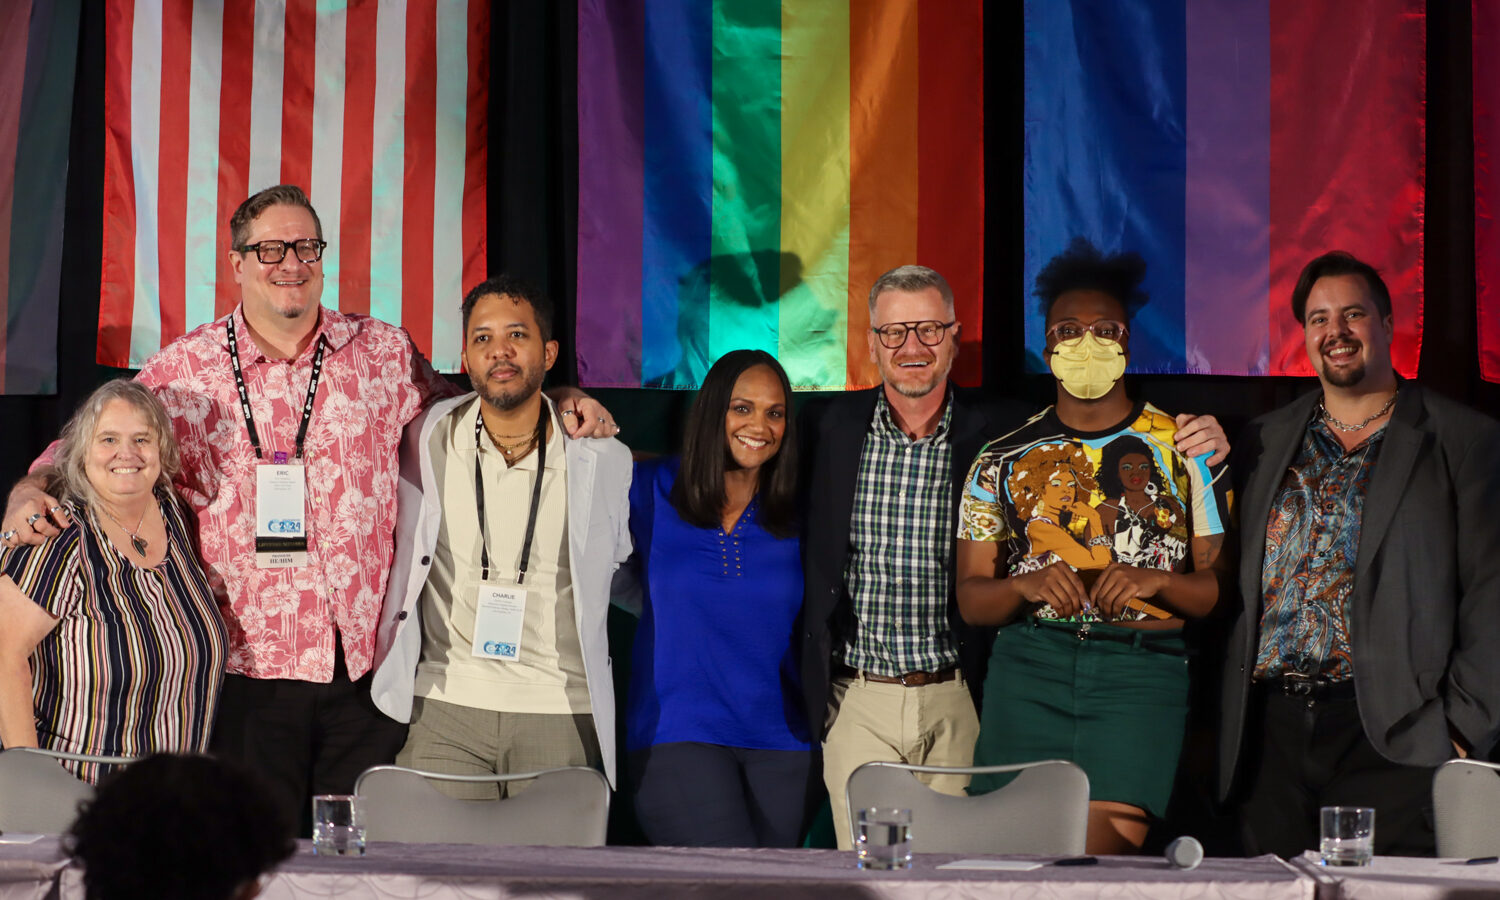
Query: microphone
{"points": [[1184, 853]]}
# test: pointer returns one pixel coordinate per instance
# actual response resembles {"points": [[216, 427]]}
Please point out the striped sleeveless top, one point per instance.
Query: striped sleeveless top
{"points": [[135, 662]]}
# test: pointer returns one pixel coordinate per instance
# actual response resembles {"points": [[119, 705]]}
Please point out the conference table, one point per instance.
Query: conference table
{"points": [[441, 871]]}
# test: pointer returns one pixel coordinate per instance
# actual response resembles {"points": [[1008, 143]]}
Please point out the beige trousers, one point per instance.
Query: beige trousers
{"points": [[933, 725], [461, 740]]}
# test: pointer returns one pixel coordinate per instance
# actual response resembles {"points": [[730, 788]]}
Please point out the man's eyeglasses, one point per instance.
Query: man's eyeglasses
{"points": [[308, 250], [930, 332], [1104, 330]]}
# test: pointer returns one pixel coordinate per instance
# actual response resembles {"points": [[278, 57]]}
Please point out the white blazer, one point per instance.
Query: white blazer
{"points": [[598, 542]]}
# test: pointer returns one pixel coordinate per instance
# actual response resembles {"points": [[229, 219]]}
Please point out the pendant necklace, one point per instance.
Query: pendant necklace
{"points": [[136, 541]]}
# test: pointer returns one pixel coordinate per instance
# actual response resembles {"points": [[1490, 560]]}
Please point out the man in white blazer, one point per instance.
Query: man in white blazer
{"points": [[492, 638]]}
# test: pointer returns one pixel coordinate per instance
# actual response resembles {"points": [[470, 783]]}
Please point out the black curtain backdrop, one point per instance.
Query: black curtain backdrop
{"points": [[532, 218]]}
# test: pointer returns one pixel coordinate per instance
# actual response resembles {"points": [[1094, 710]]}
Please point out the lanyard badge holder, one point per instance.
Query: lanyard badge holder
{"points": [[500, 607], [281, 485]]}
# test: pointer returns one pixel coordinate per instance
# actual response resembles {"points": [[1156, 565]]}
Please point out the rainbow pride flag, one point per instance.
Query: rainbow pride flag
{"points": [[1228, 142], [38, 55], [748, 168]]}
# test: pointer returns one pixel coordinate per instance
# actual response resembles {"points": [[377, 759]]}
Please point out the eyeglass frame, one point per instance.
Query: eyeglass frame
{"points": [[910, 328], [285, 246], [1088, 329]]}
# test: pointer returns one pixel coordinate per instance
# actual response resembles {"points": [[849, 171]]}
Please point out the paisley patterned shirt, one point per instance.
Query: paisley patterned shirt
{"points": [[1312, 541]]}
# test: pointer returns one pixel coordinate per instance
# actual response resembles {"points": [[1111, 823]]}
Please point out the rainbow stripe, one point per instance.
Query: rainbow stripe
{"points": [[748, 168]]}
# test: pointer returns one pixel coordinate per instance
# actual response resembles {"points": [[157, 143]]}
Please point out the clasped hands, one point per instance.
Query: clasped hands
{"points": [[1114, 586]]}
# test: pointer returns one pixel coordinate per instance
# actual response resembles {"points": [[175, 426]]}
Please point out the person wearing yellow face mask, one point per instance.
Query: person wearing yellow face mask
{"points": [[1091, 538]]}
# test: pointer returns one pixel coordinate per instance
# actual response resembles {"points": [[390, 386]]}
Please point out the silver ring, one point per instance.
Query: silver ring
{"points": [[602, 421], [31, 520], [570, 412], [7, 535], [53, 509]]}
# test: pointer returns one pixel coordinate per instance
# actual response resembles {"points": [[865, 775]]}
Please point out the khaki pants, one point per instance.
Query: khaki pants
{"points": [[461, 740], [933, 725]]}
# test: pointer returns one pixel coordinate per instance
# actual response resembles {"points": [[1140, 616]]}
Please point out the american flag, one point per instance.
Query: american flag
{"points": [[377, 108]]}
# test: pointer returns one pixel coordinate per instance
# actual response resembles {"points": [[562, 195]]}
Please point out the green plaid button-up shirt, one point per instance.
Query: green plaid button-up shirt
{"points": [[900, 550]]}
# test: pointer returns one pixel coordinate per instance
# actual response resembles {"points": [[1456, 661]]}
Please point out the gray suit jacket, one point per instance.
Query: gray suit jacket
{"points": [[1425, 615], [598, 541]]}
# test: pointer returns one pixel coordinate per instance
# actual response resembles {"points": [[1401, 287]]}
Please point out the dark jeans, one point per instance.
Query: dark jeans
{"points": [[705, 795], [305, 738], [1305, 754]]}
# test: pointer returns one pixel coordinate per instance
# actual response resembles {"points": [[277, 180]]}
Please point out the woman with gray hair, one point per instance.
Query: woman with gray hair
{"points": [[111, 642]]}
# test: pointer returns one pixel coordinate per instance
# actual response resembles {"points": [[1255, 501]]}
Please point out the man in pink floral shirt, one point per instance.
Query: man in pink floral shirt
{"points": [[296, 701]]}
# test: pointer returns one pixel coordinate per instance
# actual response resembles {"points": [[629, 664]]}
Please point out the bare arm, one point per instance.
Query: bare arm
{"points": [[984, 598], [23, 624], [1191, 595], [31, 511]]}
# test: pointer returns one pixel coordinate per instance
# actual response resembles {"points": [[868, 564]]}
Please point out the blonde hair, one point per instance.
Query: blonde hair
{"points": [[1029, 473], [78, 435]]}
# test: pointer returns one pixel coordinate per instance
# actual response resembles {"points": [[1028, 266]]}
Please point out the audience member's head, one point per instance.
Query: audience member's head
{"points": [[179, 827]]}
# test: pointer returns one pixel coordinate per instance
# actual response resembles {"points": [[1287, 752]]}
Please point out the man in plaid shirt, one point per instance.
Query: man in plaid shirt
{"points": [[888, 665]]}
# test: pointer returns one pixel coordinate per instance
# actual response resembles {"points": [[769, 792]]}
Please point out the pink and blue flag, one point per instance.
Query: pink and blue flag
{"points": [[1228, 143]]}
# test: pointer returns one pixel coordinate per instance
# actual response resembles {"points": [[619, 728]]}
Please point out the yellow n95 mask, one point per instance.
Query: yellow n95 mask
{"points": [[1087, 366]]}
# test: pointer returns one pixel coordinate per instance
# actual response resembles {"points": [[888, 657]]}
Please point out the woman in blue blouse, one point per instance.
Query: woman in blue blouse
{"points": [[720, 752]]}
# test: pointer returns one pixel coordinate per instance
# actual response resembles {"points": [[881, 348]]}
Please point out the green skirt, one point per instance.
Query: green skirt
{"points": [[1115, 704]]}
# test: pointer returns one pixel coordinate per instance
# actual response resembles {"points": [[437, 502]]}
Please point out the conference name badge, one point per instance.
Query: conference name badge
{"points": [[280, 516], [499, 613]]}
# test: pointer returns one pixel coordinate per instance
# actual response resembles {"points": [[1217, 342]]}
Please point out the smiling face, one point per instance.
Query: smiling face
{"points": [[913, 369], [504, 351], [756, 418], [290, 289], [124, 458], [1347, 340]]}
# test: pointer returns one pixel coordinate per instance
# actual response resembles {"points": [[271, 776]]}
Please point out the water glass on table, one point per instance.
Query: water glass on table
{"points": [[884, 838], [339, 825], [1348, 835]]}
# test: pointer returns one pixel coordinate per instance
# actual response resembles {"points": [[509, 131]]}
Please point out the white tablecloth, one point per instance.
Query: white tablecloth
{"points": [[1403, 878]]}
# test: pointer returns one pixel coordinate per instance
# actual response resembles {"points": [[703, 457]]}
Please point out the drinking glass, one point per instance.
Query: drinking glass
{"points": [[339, 825], [884, 838], [1348, 835]]}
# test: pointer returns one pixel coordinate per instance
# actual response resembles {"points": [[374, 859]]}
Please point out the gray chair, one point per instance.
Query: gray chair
{"points": [[1045, 810], [564, 807], [38, 796], [1466, 807]]}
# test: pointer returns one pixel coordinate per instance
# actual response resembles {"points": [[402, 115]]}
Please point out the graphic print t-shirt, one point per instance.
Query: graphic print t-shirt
{"points": [[1088, 499]]}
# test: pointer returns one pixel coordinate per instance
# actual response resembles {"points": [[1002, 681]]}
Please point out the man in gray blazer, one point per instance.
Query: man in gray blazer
{"points": [[492, 636], [1366, 648]]}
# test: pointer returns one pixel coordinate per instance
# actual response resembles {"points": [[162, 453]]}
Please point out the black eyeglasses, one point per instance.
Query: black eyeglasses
{"points": [[930, 332], [308, 250], [1104, 330]]}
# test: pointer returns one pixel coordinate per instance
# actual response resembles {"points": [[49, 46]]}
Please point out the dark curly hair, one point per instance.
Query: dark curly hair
{"points": [[176, 827], [516, 289], [1082, 267]]}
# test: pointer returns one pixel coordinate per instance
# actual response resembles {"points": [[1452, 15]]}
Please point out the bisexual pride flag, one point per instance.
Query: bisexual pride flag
{"points": [[748, 168], [1228, 142]]}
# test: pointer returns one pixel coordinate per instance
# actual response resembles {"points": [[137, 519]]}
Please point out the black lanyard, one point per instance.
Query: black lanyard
{"points": [[536, 495], [239, 384]]}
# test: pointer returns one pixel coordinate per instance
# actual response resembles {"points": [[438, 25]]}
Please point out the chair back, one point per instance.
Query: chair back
{"points": [[38, 796], [1045, 810], [564, 807], [1466, 808]]}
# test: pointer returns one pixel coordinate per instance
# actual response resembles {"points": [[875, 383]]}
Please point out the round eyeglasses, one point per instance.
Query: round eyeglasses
{"points": [[1104, 330], [929, 331]]}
